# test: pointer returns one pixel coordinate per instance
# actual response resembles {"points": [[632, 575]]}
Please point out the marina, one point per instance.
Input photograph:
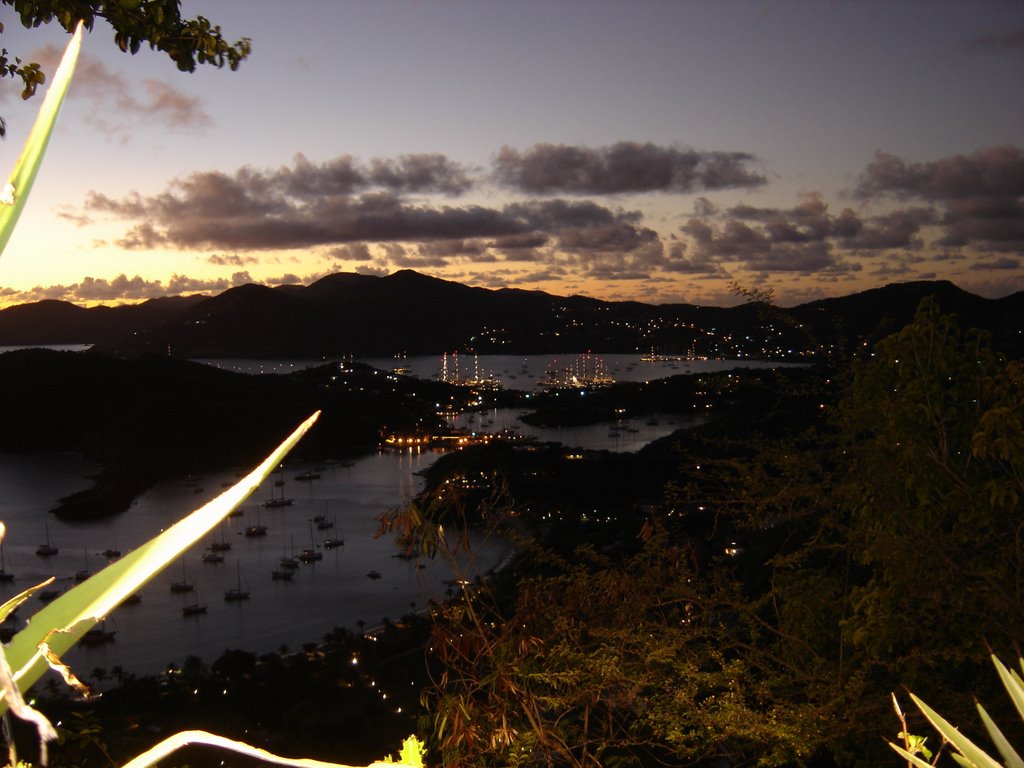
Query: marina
{"points": [[181, 612], [303, 546]]}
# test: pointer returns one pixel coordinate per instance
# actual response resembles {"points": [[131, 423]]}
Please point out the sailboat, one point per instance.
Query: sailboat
{"points": [[334, 541], [275, 500], [98, 635], [47, 549], [193, 608], [256, 530], [311, 555], [112, 553], [5, 575], [236, 592], [184, 585], [83, 574], [287, 561], [323, 524], [223, 545]]}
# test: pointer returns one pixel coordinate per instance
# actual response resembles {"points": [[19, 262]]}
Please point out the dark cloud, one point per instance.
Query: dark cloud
{"points": [[476, 250], [1000, 264], [289, 279], [179, 284], [233, 260], [899, 229], [982, 194], [342, 205], [351, 252], [1007, 40], [701, 265], [413, 173], [773, 244], [420, 173], [129, 289], [993, 172], [362, 269], [625, 167]]}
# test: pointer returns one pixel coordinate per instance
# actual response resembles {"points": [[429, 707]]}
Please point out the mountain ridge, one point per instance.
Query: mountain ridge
{"points": [[409, 312]]}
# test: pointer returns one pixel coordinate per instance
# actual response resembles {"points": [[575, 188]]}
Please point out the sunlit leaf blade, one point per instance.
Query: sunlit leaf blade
{"points": [[971, 751], [1010, 756], [79, 609], [1012, 683], [186, 738], [19, 184]]}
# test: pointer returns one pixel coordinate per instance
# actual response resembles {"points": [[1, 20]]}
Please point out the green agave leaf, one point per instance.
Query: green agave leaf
{"points": [[19, 184], [974, 755], [1009, 754], [1012, 683], [170, 745], [61, 623]]}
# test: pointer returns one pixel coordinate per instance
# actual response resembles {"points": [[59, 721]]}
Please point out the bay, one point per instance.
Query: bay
{"points": [[522, 372], [332, 592]]}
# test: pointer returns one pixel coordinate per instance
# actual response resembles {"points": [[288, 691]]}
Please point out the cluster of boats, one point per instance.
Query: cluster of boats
{"points": [[214, 554]]}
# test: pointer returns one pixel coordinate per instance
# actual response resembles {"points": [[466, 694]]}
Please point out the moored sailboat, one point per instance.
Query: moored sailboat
{"points": [[5, 575], [236, 593], [46, 549], [184, 585]]}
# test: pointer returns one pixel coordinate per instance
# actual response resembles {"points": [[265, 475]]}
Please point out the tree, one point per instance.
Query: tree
{"points": [[187, 42], [793, 581]]}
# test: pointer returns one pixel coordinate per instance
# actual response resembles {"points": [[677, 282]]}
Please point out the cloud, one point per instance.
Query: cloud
{"points": [[120, 288], [116, 104], [981, 194], [174, 108], [372, 271], [233, 260], [347, 206], [998, 264], [700, 265], [802, 239], [386, 214], [350, 252], [624, 167], [992, 172], [1008, 40]]}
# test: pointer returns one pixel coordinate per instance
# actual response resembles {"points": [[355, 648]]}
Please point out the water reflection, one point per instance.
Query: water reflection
{"points": [[332, 591]]}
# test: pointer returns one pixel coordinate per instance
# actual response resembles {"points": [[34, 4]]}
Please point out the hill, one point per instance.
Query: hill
{"points": [[349, 314]]}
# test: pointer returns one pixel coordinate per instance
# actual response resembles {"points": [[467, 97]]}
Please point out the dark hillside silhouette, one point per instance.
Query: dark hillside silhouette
{"points": [[407, 312]]}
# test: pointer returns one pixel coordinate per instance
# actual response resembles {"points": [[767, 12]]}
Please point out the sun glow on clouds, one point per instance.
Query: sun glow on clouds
{"points": [[688, 183], [566, 223]]}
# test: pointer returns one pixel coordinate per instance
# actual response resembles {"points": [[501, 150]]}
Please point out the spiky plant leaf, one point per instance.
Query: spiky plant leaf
{"points": [[1012, 683], [186, 738], [974, 756], [1009, 754], [19, 184], [61, 623]]}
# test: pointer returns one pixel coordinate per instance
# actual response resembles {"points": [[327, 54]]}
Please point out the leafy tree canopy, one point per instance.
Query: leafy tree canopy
{"points": [[788, 586], [159, 23]]}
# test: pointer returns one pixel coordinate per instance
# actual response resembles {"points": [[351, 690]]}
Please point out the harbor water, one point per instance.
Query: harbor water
{"points": [[361, 583]]}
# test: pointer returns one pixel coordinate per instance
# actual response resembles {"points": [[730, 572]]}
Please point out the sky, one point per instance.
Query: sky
{"points": [[650, 150]]}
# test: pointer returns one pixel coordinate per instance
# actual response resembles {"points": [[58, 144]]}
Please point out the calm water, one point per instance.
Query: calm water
{"points": [[332, 592], [623, 435], [513, 371]]}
